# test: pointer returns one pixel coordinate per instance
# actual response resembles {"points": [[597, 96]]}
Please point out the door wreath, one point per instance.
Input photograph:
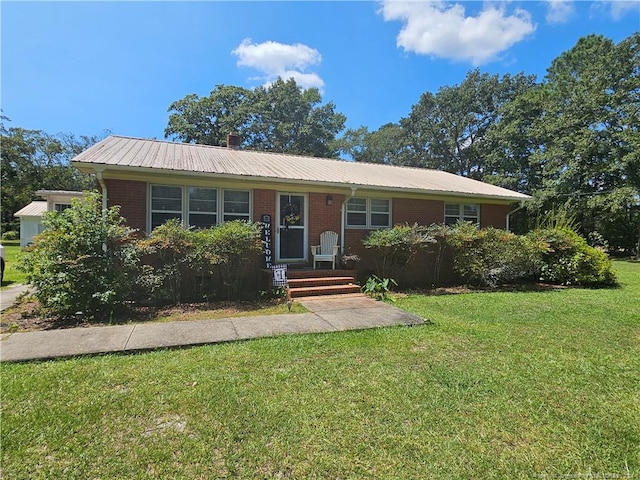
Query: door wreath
{"points": [[290, 215]]}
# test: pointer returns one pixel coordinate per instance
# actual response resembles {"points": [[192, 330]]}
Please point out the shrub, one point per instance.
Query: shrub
{"points": [[569, 260], [10, 236], [85, 260], [395, 247], [167, 252], [176, 254], [234, 247], [490, 256]]}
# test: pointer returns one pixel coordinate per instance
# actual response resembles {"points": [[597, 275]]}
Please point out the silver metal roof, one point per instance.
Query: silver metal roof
{"points": [[116, 152], [34, 209]]}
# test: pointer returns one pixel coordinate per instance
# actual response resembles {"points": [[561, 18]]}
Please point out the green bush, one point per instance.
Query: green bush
{"points": [[234, 247], [490, 256], [10, 236], [395, 247], [84, 261], [177, 256], [569, 260], [166, 252]]}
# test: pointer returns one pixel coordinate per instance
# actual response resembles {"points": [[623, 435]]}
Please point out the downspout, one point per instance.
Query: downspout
{"points": [[343, 211], [103, 186], [508, 218]]}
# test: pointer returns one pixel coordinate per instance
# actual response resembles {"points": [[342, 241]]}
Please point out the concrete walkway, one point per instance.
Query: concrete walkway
{"points": [[9, 295], [327, 314]]}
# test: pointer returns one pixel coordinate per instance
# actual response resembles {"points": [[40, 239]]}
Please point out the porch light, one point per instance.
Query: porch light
{"points": [[329, 200]]}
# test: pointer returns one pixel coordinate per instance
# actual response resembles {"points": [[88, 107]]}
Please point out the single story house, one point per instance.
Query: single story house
{"points": [[31, 215], [201, 185]]}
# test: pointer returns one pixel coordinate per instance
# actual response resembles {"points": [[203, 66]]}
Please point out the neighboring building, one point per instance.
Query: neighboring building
{"points": [[154, 181], [31, 215]]}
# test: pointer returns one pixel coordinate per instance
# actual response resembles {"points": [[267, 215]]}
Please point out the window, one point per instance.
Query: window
{"points": [[203, 207], [357, 212], [199, 207], [368, 212], [236, 205], [461, 212], [166, 203], [380, 213], [60, 207]]}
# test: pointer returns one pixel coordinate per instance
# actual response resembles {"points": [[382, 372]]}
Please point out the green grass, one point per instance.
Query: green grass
{"points": [[500, 386], [12, 276]]}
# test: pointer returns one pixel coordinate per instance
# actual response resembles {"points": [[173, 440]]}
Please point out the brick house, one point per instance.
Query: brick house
{"points": [[153, 181]]}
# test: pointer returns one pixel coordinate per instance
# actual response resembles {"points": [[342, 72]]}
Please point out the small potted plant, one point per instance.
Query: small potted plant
{"points": [[349, 260]]}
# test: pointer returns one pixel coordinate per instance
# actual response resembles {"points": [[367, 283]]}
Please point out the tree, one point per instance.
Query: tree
{"points": [[208, 120], [447, 130], [385, 145], [280, 117], [32, 160], [589, 128]]}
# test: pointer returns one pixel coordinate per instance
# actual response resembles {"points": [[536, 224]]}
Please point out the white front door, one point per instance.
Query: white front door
{"points": [[291, 233]]}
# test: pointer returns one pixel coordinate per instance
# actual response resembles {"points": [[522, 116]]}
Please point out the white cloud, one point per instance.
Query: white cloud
{"points": [[619, 8], [559, 11], [443, 30], [275, 60]]}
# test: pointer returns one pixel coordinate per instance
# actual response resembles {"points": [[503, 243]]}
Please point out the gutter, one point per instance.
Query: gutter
{"points": [[508, 217], [343, 214], [83, 166]]}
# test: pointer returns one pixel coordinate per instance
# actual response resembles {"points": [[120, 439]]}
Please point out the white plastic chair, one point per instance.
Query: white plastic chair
{"points": [[327, 251]]}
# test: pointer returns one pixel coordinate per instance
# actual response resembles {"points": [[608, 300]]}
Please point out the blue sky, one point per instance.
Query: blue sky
{"points": [[83, 67]]}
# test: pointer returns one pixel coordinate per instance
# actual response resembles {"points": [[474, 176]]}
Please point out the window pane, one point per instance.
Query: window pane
{"points": [[470, 210], [357, 205], [202, 220], [203, 200], [158, 219], [450, 220], [379, 206], [452, 210], [380, 220], [60, 207], [356, 219], [236, 201], [165, 198], [236, 205]]}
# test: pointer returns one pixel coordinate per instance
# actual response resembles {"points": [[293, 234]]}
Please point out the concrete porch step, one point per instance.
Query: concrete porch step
{"points": [[297, 292]]}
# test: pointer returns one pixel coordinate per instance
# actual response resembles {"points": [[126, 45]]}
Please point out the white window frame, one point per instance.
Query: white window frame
{"points": [[461, 217], [201, 212], [186, 208], [235, 214], [368, 213], [177, 213]]}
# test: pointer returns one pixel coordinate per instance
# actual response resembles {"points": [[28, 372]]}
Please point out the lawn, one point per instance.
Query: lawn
{"points": [[501, 385], [12, 275]]}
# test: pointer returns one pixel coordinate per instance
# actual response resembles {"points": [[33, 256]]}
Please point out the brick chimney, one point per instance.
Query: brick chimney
{"points": [[233, 141]]}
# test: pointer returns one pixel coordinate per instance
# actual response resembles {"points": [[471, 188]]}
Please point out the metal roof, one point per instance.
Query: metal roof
{"points": [[117, 153], [34, 209]]}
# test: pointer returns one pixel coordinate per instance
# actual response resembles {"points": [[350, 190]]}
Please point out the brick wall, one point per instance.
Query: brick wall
{"points": [[131, 195], [423, 212], [493, 216], [323, 217], [264, 202]]}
